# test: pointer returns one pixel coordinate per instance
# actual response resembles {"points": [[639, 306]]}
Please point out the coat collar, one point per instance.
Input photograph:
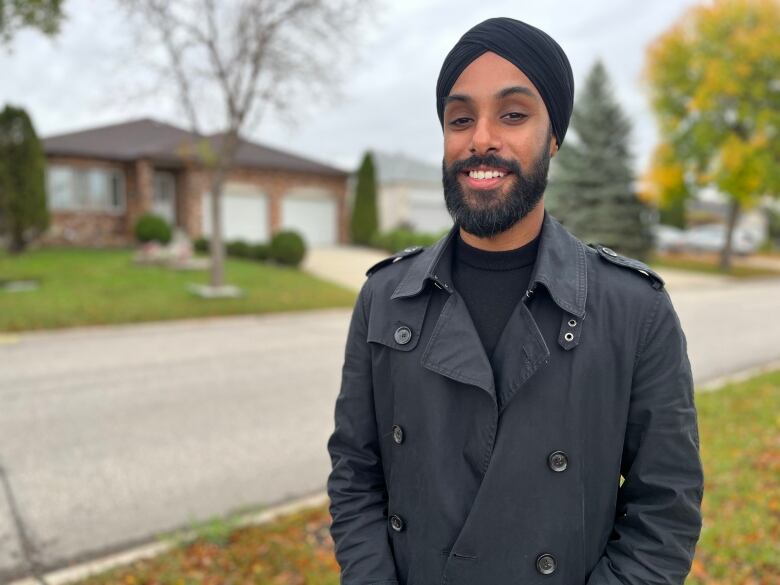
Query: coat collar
{"points": [[560, 266]]}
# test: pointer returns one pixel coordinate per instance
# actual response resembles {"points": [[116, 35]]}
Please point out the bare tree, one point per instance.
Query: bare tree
{"points": [[244, 57]]}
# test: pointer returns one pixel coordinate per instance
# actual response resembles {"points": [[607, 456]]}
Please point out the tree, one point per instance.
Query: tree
{"points": [[364, 214], [591, 186], [23, 212], [44, 15], [246, 57], [714, 80]]}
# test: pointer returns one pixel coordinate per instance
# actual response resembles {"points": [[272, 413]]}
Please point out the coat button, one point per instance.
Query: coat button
{"points": [[545, 564], [396, 523], [609, 251], [398, 434], [558, 461], [403, 335]]}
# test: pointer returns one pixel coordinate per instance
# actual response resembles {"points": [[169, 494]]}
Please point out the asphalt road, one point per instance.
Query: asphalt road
{"points": [[111, 435]]}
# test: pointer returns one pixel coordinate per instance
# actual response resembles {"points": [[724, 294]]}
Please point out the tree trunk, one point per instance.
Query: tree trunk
{"points": [[216, 245], [725, 256]]}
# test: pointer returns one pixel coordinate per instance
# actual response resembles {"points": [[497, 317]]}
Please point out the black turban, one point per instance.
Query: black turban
{"points": [[531, 50]]}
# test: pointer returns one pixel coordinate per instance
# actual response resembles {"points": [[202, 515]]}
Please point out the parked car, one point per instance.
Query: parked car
{"points": [[712, 238], [667, 238]]}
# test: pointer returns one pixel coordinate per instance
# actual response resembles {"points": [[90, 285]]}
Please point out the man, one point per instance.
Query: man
{"points": [[516, 407]]}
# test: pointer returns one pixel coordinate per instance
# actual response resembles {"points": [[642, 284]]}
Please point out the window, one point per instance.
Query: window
{"points": [[85, 189]]}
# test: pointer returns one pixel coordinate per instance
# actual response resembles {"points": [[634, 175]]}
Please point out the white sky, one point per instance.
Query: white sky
{"points": [[82, 78]]}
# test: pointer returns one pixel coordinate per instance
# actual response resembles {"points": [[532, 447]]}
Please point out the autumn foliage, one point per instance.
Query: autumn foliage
{"points": [[714, 81]]}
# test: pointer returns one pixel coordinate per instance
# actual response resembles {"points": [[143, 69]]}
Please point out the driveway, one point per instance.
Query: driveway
{"points": [[345, 265], [111, 435]]}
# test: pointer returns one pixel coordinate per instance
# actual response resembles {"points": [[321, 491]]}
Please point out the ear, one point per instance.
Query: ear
{"points": [[553, 147]]}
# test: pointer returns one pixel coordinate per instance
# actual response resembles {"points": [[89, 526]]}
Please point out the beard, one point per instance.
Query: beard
{"points": [[487, 212]]}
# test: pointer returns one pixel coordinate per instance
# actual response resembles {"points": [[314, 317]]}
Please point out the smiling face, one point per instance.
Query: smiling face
{"points": [[497, 146]]}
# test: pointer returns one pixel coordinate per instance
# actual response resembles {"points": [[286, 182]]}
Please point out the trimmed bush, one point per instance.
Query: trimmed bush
{"points": [[260, 252], [152, 228], [201, 245], [401, 238], [288, 247], [237, 249]]}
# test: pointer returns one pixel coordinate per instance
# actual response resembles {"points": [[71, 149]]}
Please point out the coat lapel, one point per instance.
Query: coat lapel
{"points": [[520, 351], [455, 350]]}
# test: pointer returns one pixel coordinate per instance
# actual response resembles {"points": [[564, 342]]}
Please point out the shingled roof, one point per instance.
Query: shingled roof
{"points": [[162, 142]]}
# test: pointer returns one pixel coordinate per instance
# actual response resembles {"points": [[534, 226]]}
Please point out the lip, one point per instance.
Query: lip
{"points": [[483, 183]]}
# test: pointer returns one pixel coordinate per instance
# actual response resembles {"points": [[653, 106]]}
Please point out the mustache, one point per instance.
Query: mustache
{"points": [[490, 160]]}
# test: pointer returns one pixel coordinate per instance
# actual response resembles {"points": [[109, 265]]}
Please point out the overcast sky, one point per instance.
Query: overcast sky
{"points": [[387, 101]]}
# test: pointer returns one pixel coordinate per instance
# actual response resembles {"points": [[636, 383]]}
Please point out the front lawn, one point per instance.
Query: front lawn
{"points": [[740, 447], [90, 287], [708, 264]]}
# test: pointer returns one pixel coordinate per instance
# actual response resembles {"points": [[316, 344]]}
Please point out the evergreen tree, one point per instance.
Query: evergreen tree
{"points": [[591, 189], [364, 212], [23, 211]]}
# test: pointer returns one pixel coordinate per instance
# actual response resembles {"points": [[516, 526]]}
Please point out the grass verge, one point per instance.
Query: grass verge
{"points": [[708, 264]]}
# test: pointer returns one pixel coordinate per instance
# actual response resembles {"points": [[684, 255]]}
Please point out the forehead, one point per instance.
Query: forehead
{"points": [[488, 74]]}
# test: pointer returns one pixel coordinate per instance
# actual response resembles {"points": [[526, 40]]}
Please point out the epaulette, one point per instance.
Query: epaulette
{"points": [[610, 255], [405, 253]]}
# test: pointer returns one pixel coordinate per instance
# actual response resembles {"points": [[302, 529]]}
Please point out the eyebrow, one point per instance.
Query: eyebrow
{"points": [[506, 92]]}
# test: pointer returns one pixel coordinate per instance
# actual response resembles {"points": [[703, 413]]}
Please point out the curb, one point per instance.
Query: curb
{"points": [[90, 568], [740, 376]]}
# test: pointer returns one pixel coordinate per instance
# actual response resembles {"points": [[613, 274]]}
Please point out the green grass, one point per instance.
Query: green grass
{"points": [[739, 428], [91, 287], [709, 266], [740, 446]]}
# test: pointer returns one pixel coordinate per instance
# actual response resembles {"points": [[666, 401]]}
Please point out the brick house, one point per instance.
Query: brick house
{"points": [[100, 180]]}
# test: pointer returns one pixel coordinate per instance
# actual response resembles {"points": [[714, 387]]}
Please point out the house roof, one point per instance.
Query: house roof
{"points": [[400, 168], [162, 142]]}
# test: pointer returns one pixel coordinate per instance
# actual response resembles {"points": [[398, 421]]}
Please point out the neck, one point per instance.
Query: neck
{"points": [[518, 235]]}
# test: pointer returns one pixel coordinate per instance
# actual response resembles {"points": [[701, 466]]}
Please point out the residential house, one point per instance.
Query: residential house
{"points": [[409, 193], [101, 180]]}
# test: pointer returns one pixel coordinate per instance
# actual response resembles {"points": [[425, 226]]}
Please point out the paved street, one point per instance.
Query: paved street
{"points": [[110, 435]]}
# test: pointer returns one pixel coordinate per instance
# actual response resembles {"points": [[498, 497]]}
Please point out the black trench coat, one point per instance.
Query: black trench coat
{"points": [[445, 471]]}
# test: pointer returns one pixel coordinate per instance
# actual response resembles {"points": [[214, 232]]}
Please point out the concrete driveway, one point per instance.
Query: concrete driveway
{"points": [[111, 435], [345, 265]]}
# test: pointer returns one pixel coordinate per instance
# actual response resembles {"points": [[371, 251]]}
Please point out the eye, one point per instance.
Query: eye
{"points": [[515, 116], [459, 121]]}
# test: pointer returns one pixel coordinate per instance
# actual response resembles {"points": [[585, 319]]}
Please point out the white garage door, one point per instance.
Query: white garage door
{"points": [[244, 213], [313, 213]]}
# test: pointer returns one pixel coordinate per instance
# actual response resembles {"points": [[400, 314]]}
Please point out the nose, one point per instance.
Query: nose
{"points": [[484, 138]]}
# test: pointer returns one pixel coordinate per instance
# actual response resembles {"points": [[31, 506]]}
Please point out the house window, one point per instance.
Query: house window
{"points": [[85, 189]]}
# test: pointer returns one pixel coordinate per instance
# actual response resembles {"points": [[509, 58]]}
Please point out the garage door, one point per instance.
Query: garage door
{"points": [[244, 213], [313, 213]]}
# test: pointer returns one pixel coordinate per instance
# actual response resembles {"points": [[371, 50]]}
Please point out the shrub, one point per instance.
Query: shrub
{"points": [[151, 227], [288, 247], [365, 219], [201, 244], [260, 252], [237, 249], [401, 238]]}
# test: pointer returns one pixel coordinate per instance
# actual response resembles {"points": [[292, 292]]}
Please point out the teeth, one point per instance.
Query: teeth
{"points": [[485, 174]]}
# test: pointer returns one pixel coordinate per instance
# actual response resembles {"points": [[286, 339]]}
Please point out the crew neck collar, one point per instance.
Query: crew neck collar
{"points": [[525, 255]]}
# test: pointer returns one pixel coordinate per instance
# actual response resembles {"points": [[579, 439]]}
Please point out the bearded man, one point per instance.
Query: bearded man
{"points": [[516, 406]]}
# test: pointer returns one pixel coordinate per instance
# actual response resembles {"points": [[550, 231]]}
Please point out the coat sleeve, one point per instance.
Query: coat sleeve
{"points": [[356, 484], [658, 515]]}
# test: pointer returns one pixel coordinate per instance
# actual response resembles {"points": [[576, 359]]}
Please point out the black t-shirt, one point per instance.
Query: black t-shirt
{"points": [[491, 284]]}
